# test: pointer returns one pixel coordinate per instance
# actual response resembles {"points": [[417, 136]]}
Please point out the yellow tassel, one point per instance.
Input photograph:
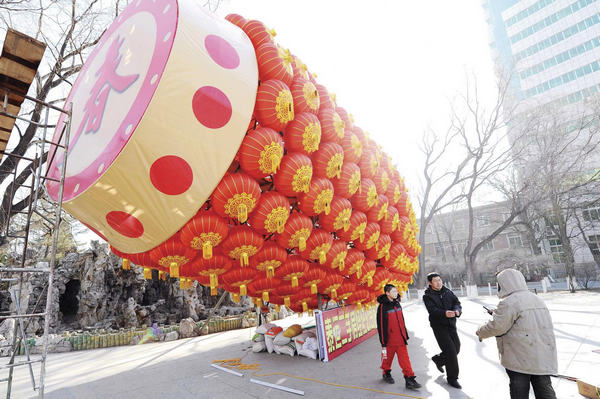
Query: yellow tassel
{"points": [[294, 281], [235, 298], [346, 224], [342, 265], [304, 307], [214, 280], [362, 237], [242, 213], [161, 275], [313, 289], [243, 290], [280, 226], [302, 243], [298, 314], [369, 281], [387, 255], [126, 264], [359, 305], [270, 272], [360, 188], [333, 293], [322, 257], [213, 291], [327, 208], [265, 296], [190, 283], [277, 308], [147, 273], [207, 252], [182, 284], [338, 174], [286, 301], [174, 270], [310, 312], [244, 259], [259, 302], [275, 162]]}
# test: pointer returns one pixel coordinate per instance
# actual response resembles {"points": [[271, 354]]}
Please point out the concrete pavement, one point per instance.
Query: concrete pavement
{"points": [[182, 369]]}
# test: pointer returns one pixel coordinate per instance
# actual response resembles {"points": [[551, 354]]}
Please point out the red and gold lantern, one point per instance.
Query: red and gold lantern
{"points": [[356, 232], [271, 213], [274, 104], [339, 216], [261, 288], [238, 280], [349, 181], [305, 95], [382, 249], [294, 175], [318, 198], [328, 161], [296, 232], [312, 278], [380, 210], [336, 256], [204, 232], [269, 258], [367, 273], [390, 224], [324, 98], [381, 180], [209, 269], [274, 62], [236, 196], [380, 279], [352, 146], [348, 125], [330, 284], [242, 243], [372, 233], [261, 152], [366, 197], [291, 271], [354, 262], [304, 301], [172, 254], [332, 126], [303, 134], [258, 33], [317, 246], [368, 163]]}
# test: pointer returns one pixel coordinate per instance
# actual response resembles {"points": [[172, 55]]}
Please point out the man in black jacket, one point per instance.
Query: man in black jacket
{"points": [[444, 307], [393, 337]]}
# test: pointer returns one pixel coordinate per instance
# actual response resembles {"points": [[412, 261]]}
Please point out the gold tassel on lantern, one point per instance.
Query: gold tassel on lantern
{"points": [[174, 270], [259, 302], [235, 298], [207, 251], [277, 308], [304, 307], [313, 289], [126, 264], [244, 259], [182, 284], [322, 257], [333, 293], [214, 280], [327, 208], [265, 296], [147, 273], [280, 226], [213, 291], [270, 271], [342, 264], [286, 301], [310, 312], [294, 281], [242, 213], [162, 275], [359, 306], [369, 281], [302, 243], [243, 290]]}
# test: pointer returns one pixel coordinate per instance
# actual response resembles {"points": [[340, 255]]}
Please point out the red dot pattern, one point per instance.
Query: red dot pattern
{"points": [[171, 175], [125, 224], [221, 52], [211, 107]]}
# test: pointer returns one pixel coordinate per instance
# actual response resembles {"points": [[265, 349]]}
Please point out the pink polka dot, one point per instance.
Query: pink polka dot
{"points": [[171, 175], [211, 107], [125, 224], [221, 52]]}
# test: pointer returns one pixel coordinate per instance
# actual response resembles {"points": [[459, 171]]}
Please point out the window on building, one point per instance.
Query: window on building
{"points": [[439, 249], [488, 246], [591, 213], [557, 249], [484, 220], [594, 244], [514, 240]]}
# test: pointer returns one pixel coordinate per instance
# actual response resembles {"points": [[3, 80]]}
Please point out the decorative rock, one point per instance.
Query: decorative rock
{"points": [[172, 336], [188, 328]]}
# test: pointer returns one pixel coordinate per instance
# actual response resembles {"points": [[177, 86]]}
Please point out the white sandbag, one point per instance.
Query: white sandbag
{"points": [[269, 343], [259, 347], [308, 353], [258, 337], [311, 344], [263, 328], [281, 339], [287, 349], [299, 339]]}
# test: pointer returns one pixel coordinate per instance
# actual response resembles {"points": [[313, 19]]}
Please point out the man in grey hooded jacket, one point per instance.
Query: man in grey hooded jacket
{"points": [[524, 333]]}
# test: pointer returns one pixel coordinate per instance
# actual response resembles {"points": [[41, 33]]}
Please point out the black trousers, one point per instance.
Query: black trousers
{"points": [[519, 385], [447, 339]]}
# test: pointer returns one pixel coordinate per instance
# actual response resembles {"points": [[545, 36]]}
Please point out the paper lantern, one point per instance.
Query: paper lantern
{"points": [[359, 297], [211, 268], [397, 259], [261, 152], [204, 232], [172, 254], [242, 243], [271, 213], [317, 246], [381, 180], [404, 231], [305, 95], [339, 216], [360, 134], [258, 33], [300, 69], [393, 193], [274, 62], [336, 256], [238, 279], [372, 233], [354, 262], [332, 126], [291, 271], [296, 232], [356, 231], [380, 279], [348, 125], [390, 224], [312, 278], [324, 98], [382, 249], [294, 175], [328, 161], [274, 104], [269, 258], [346, 290], [318, 198], [330, 284], [261, 288], [380, 210], [286, 291], [236, 19], [349, 181], [366, 197], [352, 146], [303, 134], [366, 275], [403, 205], [368, 163], [236, 196]]}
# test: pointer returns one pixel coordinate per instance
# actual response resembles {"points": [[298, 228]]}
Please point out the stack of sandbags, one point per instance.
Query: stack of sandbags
{"points": [[259, 337], [306, 344], [282, 343]]}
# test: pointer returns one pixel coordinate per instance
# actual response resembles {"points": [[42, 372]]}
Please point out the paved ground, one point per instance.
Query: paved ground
{"points": [[182, 369]]}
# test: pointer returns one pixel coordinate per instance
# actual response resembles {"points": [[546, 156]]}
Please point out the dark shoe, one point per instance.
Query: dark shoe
{"points": [[438, 363], [387, 377], [455, 384], [411, 383]]}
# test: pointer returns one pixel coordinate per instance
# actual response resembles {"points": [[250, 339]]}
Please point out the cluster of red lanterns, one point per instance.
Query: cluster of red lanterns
{"points": [[309, 206]]}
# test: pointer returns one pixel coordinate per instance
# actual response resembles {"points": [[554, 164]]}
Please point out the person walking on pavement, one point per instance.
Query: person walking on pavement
{"points": [[525, 337], [444, 307], [393, 337]]}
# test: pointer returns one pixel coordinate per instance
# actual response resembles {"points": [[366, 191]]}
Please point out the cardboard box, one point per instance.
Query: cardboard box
{"points": [[588, 390]]}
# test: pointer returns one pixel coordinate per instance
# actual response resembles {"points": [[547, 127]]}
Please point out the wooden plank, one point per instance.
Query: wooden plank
{"points": [[23, 46], [16, 71]]}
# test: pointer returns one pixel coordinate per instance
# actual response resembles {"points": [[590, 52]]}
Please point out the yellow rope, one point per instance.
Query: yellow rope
{"points": [[237, 364]]}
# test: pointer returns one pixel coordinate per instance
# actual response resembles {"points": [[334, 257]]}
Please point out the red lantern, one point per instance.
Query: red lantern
{"points": [[381, 180], [286, 291], [274, 104], [332, 126], [317, 246], [348, 125], [258, 33], [209, 268], [393, 193], [294, 176], [368, 163], [291, 271], [356, 232], [144, 260], [397, 259], [238, 279], [403, 205], [324, 98], [261, 152], [336, 256], [361, 137], [304, 301], [296, 232], [352, 146], [380, 279], [328, 161], [330, 284], [236, 19], [271, 213], [269, 258], [236, 196], [303, 134], [372, 232], [172, 254], [382, 249], [354, 262], [360, 296], [318, 198], [305, 95], [274, 62], [242, 243], [346, 290], [403, 231], [204, 232], [380, 210], [390, 224], [339, 217], [312, 278], [349, 182], [263, 287], [367, 273], [366, 197], [300, 69]]}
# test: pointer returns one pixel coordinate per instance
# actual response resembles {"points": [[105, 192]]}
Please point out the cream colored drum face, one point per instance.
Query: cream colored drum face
{"points": [[159, 111]]}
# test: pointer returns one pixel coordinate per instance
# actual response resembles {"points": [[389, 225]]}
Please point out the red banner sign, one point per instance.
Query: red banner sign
{"points": [[343, 328]]}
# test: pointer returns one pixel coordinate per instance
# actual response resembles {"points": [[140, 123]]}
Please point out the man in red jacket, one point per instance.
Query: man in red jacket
{"points": [[393, 337]]}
